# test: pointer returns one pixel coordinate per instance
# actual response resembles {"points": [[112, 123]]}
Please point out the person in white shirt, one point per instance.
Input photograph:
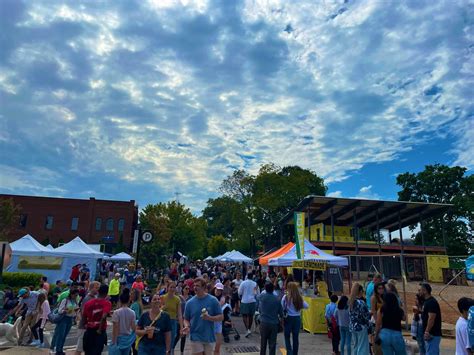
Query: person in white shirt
{"points": [[248, 291], [462, 340]]}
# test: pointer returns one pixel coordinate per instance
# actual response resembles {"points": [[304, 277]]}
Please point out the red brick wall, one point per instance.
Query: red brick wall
{"points": [[64, 209]]}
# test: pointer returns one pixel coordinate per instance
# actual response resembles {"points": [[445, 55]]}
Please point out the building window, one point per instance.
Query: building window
{"points": [[23, 220], [74, 223], [98, 224], [49, 222], [109, 225], [121, 224]]}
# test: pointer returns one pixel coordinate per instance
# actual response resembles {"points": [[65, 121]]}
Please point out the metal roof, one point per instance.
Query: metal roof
{"points": [[348, 210]]}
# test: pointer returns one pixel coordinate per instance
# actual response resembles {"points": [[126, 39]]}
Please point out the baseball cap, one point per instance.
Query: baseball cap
{"points": [[219, 286], [22, 292], [117, 274]]}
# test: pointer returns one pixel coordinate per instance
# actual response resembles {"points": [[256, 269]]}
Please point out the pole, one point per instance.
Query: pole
{"points": [[350, 274], [425, 277], [379, 242], [402, 269], [332, 232], [4, 246], [281, 235], [356, 236], [138, 247], [309, 225]]}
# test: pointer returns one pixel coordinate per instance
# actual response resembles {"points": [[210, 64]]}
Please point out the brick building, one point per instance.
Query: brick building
{"points": [[59, 220]]}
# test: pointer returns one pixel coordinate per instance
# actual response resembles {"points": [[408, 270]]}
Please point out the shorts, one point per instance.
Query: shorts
{"points": [[80, 337], [248, 308], [114, 298], [206, 348]]}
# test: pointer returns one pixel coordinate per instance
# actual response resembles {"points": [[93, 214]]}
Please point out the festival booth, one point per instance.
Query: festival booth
{"points": [[120, 257], [237, 257], [314, 260], [263, 260]]}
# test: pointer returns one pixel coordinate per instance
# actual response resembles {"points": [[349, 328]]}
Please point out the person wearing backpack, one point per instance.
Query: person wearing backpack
{"points": [[95, 321], [332, 323]]}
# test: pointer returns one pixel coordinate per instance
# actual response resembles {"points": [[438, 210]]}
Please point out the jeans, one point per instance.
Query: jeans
{"points": [[174, 331], [346, 337], [292, 327], [61, 332], [268, 334], [361, 342], [145, 348], [420, 340], [432, 345], [392, 342]]}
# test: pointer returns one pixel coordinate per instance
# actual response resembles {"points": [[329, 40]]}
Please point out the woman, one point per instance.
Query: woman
{"points": [[137, 305], [154, 330], [43, 311], [392, 287], [68, 307], [138, 284], [217, 292], [123, 329], [359, 317], [172, 305], [417, 311], [342, 318], [388, 330], [184, 297], [376, 302], [292, 304]]}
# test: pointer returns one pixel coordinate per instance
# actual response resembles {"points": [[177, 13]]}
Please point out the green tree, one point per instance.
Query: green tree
{"points": [[9, 217], [443, 184], [217, 245]]}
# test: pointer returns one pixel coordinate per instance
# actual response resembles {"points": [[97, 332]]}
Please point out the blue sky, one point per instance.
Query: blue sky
{"points": [[140, 100]]}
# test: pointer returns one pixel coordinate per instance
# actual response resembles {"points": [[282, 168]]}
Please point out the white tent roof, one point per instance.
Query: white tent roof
{"points": [[78, 247], [209, 258], [50, 247], [121, 257], [28, 245], [223, 257], [310, 253], [238, 257]]}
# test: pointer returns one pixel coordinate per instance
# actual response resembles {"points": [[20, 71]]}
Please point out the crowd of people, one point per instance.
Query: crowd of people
{"points": [[200, 303]]}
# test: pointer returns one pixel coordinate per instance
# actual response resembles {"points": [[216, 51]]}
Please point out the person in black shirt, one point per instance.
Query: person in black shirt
{"points": [[388, 329], [431, 319]]}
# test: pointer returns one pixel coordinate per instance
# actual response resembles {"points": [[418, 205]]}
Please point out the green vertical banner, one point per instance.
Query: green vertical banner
{"points": [[299, 234]]}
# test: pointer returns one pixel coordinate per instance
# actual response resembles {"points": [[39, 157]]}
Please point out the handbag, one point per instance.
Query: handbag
{"points": [[285, 310], [55, 317]]}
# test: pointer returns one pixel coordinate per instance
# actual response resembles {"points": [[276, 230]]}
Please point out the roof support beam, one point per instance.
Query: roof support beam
{"points": [[342, 212], [362, 214], [389, 212]]}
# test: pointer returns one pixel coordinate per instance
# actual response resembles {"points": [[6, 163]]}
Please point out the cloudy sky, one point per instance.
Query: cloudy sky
{"points": [[140, 100]]}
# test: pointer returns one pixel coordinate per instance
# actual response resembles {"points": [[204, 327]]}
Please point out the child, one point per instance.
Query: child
{"points": [[342, 318], [462, 340], [332, 323]]}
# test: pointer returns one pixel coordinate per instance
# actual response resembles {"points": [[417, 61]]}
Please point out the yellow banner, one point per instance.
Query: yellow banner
{"points": [[299, 234], [309, 265], [40, 262]]}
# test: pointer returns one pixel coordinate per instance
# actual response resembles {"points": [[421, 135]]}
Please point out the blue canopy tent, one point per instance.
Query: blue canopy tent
{"points": [[470, 267]]}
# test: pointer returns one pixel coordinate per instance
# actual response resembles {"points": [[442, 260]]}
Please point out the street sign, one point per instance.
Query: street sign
{"points": [[135, 241], [147, 237]]}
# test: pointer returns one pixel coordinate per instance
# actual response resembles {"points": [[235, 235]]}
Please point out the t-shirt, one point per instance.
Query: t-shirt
{"points": [[247, 290], [392, 319], [138, 285], [162, 325], [432, 306], [86, 299], [94, 311], [368, 294], [63, 295], [202, 330], [124, 316], [329, 311], [31, 301], [237, 282], [171, 305], [114, 287], [470, 326], [462, 341]]}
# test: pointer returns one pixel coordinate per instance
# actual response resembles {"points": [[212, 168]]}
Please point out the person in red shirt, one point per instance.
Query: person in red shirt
{"points": [[138, 284], [75, 272], [95, 314], [190, 283]]}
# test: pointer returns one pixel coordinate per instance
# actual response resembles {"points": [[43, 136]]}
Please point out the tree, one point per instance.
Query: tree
{"points": [[9, 217], [443, 184], [217, 245]]}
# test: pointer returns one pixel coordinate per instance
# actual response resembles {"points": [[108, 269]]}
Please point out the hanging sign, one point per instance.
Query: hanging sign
{"points": [[299, 234], [309, 264]]}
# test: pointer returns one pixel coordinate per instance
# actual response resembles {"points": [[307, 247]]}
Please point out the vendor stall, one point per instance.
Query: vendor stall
{"points": [[121, 257]]}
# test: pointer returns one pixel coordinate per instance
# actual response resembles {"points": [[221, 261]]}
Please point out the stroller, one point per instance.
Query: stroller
{"points": [[227, 325]]}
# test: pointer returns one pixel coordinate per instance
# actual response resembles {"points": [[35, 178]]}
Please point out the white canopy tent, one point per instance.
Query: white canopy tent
{"points": [[27, 245], [238, 257], [223, 257], [50, 247], [310, 253], [121, 257], [209, 258]]}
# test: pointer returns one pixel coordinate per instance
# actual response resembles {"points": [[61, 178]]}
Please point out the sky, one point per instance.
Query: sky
{"points": [[157, 100]]}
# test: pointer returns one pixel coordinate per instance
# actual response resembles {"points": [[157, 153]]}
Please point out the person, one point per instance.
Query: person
{"points": [[342, 317], [44, 281], [171, 304], [138, 284], [292, 304], [76, 270], [57, 291], [248, 291], [370, 288], [200, 313], [217, 292], [271, 312], [154, 330], [137, 305], [92, 293], [43, 309], [470, 327], [95, 314], [123, 329], [28, 299], [376, 304], [185, 297], [462, 339], [114, 289], [417, 325], [359, 317], [431, 319], [65, 293], [392, 287], [332, 323], [388, 329], [235, 294], [68, 307]]}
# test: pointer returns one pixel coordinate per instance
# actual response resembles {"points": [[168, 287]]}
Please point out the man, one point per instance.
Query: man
{"points": [[470, 327], [30, 300], [462, 336], [431, 319], [271, 312], [114, 289], [76, 270], [94, 315], [44, 281], [248, 291], [64, 294], [370, 287], [199, 316], [92, 294]]}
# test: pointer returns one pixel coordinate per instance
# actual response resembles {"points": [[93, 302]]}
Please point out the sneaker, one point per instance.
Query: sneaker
{"points": [[35, 343], [41, 346], [248, 333]]}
